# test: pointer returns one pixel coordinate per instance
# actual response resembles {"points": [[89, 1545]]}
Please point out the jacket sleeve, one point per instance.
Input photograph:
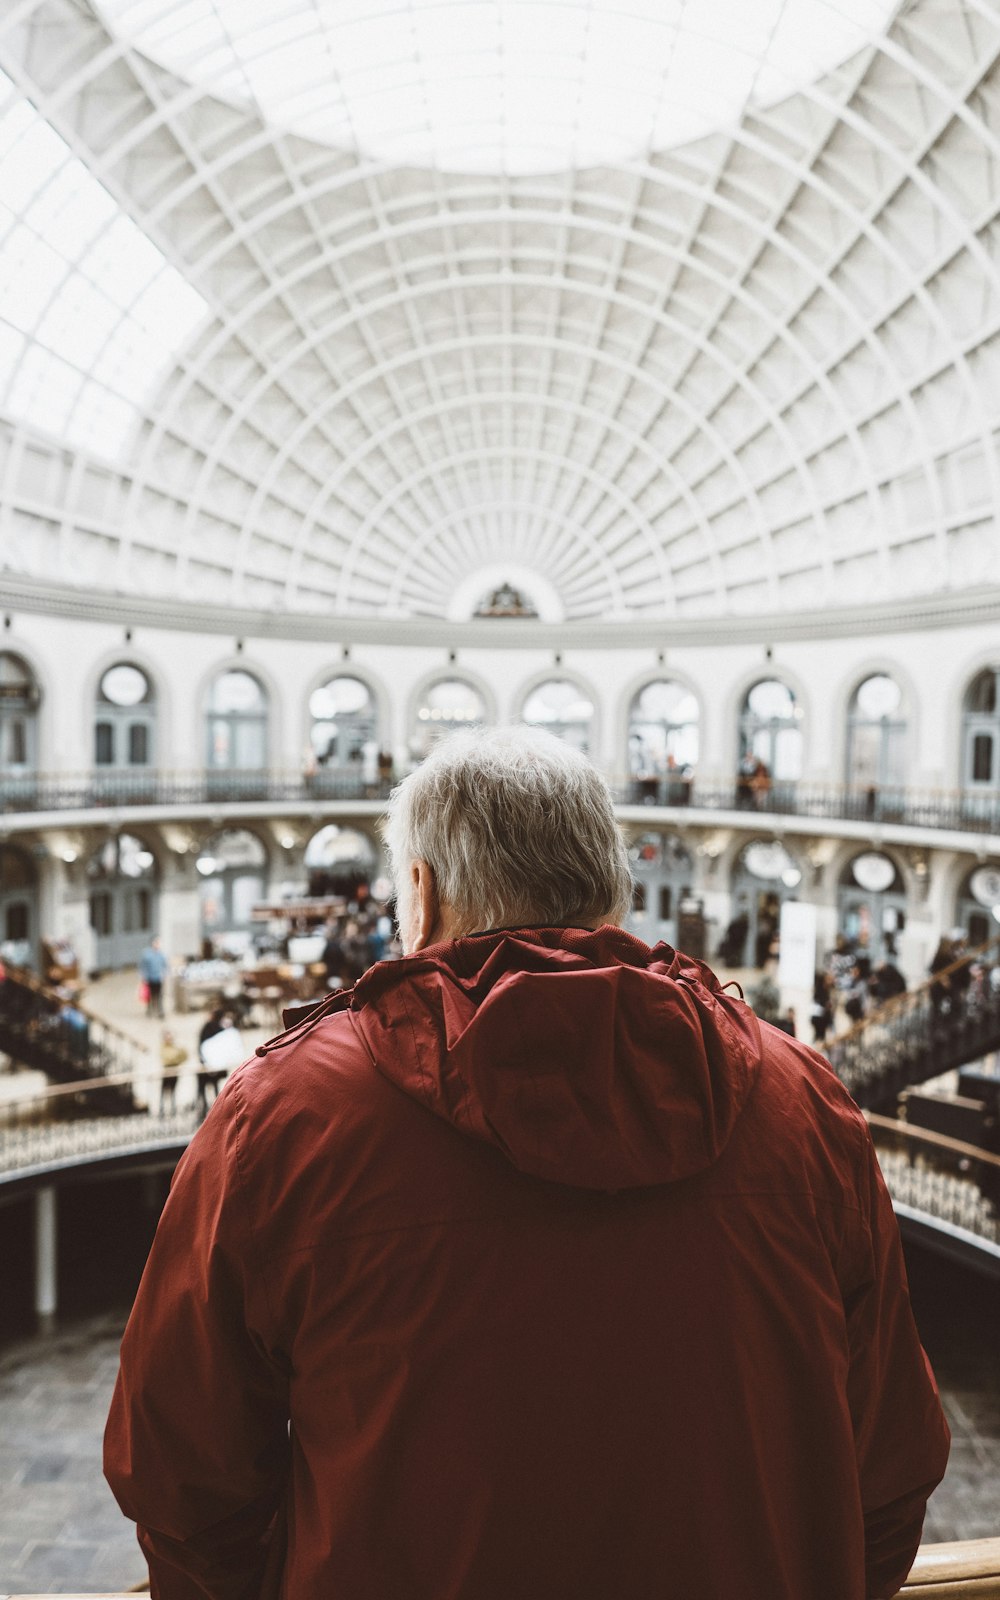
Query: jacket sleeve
{"points": [[196, 1444], [901, 1435]]}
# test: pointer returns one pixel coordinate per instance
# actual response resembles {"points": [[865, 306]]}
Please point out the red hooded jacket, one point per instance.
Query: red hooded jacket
{"points": [[533, 1268]]}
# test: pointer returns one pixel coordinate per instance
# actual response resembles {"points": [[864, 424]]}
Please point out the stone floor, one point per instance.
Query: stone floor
{"points": [[60, 1530]]}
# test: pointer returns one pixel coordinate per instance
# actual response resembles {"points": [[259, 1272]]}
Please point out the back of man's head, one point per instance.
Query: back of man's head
{"points": [[518, 828]]}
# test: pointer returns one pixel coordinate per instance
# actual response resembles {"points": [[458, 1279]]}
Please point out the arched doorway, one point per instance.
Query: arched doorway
{"points": [[446, 704], [562, 708], [872, 905], [663, 875], [125, 728], [232, 879], [339, 862], [237, 735], [18, 907], [765, 875], [19, 701], [978, 904], [876, 744], [124, 906], [343, 734], [770, 744], [663, 742]]}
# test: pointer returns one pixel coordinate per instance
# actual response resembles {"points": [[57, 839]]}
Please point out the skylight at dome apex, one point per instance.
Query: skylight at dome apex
{"points": [[500, 85]]}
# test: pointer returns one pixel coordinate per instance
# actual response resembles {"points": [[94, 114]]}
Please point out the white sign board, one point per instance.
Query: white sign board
{"points": [[797, 945]]}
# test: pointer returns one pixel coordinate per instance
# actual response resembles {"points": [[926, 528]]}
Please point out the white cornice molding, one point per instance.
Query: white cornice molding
{"points": [[914, 614]]}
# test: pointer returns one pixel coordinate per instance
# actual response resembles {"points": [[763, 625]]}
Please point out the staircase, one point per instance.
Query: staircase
{"points": [[40, 1029], [952, 1019]]}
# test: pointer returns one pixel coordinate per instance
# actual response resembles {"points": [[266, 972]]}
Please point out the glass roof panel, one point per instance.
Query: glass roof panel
{"points": [[103, 312], [501, 85]]}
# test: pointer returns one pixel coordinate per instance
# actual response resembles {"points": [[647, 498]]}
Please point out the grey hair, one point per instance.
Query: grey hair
{"points": [[519, 829]]}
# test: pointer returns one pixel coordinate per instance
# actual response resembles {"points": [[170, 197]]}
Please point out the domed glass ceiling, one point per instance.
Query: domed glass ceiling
{"points": [[514, 86], [754, 373]]}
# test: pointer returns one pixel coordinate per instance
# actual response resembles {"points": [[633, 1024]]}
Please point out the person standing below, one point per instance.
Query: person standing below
{"points": [[153, 970], [172, 1058], [535, 1265]]}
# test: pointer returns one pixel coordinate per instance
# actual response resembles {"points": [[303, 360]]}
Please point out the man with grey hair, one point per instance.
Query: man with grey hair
{"points": [[534, 1266]]}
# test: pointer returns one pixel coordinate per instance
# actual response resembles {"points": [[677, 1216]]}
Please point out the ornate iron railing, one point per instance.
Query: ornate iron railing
{"points": [[943, 1179], [41, 1028], [966, 811], [951, 1019]]}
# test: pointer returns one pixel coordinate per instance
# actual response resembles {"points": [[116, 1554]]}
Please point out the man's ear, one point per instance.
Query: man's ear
{"points": [[426, 905]]}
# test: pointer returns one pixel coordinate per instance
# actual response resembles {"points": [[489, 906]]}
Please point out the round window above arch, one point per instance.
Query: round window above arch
{"points": [[983, 693], [333, 847], [877, 697], [124, 856], [874, 872], [231, 848], [768, 860], [237, 691], [771, 700], [125, 685]]}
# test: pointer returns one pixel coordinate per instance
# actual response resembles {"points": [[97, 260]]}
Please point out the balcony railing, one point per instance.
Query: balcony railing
{"points": [[966, 811], [967, 1570]]}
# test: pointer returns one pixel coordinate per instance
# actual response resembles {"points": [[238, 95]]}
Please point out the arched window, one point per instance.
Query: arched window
{"points": [[663, 741], [125, 718], [237, 723], [872, 905], [770, 731], [663, 874], [123, 900], [339, 861], [562, 708], [343, 732], [19, 697], [981, 731], [978, 907], [445, 705], [876, 735], [18, 907], [232, 872], [764, 876]]}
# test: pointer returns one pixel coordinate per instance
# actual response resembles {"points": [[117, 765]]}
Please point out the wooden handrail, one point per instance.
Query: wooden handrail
{"points": [[966, 1570], [935, 1141]]}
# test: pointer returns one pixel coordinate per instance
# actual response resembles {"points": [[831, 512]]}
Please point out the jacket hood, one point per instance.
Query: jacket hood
{"points": [[585, 1056]]}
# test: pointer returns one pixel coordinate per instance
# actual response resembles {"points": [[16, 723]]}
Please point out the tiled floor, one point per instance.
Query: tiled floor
{"points": [[60, 1529]]}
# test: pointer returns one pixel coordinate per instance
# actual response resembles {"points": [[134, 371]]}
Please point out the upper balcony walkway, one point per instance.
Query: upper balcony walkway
{"points": [[38, 800]]}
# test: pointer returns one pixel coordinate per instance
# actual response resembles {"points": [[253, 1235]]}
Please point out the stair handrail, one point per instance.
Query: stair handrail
{"points": [[910, 998], [28, 980]]}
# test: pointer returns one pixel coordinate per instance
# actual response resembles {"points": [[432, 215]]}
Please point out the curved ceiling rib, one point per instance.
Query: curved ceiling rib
{"points": [[759, 372]]}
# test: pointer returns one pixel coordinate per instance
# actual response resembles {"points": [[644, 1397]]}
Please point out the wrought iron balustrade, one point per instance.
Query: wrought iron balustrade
{"points": [[948, 1021], [42, 1028], [965, 811], [943, 1179]]}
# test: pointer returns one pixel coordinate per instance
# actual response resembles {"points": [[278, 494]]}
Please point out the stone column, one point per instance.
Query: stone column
{"points": [[46, 1258]]}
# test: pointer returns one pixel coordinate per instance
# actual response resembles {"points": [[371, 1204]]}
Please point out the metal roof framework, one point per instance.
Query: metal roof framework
{"points": [[756, 373]]}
